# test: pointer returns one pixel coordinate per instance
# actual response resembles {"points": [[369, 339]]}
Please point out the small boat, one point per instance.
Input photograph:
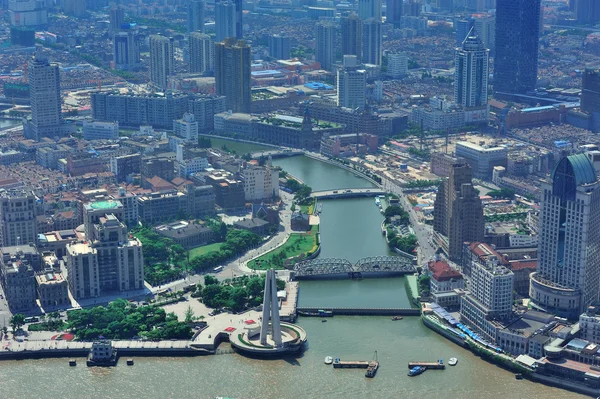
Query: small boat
{"points": [[328, 360], [396, 318], [452, 361], [416, 371], [323, 321], [519, 376]]}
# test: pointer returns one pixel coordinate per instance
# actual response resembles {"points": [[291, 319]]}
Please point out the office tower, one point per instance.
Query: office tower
{"points": [[447, 5], [239, 22], [279, 47], [397, 65], [471, 72], [117, 18], [414, 8], [325, 53], [44, 97], [126, 50], [587, 11], [76, 8], [351, 84], [517, 40], [461, 28], [394, 12], [369, 9], [371, 53], [18, 223], [352, 36], [458, 212], [485, 27], [195, 16], [590, 93], [567, 279], [232, 74], [225, 20], [202, 53], [161, 60], [32, 13]]}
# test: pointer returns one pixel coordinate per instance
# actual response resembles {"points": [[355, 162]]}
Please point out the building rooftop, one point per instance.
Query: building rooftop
{"points": [[581, 167], [104, 205], [441, 271]]}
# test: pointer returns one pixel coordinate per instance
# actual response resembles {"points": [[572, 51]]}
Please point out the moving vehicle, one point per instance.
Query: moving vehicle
{"points": [[218, 269]]}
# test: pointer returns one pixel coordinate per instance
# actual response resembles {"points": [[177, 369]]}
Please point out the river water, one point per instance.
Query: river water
{"points": [[350, 229], [6, 123]]}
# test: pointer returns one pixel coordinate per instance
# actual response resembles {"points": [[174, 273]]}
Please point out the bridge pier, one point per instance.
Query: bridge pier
{"points": [[355, 275]]}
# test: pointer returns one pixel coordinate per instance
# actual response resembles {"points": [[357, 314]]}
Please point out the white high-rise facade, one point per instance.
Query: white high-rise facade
{"points": [[471, 72], [397, 65], [202, 53], [161, 60], [351, 84], [567, 279]]}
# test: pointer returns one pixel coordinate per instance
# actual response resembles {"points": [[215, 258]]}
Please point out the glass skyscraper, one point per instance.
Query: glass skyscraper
{"points": [[517, 42]]}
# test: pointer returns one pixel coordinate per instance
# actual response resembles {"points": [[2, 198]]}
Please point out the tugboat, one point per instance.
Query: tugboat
{"points": [[416, 371], [373, 366], [102, 354]]}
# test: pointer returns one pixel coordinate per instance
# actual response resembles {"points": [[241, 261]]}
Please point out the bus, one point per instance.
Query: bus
{"points": [[218, 269]]}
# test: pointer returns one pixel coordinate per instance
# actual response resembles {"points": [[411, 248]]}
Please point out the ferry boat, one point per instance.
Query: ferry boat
{"points": [[102, 354], [328, 360], [416, 371], [452, 361], [319, 313]]}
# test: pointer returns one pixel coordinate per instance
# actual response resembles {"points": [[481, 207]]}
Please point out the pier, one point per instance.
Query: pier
{"points": [[306, 311], [429, 365], [350, 364]]}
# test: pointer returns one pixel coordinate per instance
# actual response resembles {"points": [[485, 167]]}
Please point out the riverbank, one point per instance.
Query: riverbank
{"points": [[503, 361]]}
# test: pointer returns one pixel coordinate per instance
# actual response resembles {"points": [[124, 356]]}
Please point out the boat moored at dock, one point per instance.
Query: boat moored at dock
{"points": [[373, 367], [416, 371]]}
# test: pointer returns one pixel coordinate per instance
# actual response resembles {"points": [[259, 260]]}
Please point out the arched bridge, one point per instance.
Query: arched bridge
{"points": [[347, 193], [372, 266]]}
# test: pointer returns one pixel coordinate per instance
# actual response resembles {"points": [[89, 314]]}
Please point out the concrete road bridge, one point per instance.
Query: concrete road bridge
{"points": [[347, 193], [277, 153], [372, 266]]}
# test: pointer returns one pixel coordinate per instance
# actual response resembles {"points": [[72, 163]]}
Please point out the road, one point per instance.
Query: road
{"points": [[426, 249]]}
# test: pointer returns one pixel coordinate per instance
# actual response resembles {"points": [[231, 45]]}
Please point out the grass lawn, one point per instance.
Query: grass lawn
{"points": [[295, 245], [203, 250]]}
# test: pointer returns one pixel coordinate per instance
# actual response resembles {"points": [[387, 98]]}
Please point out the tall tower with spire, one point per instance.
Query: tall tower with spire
{"points": [[471, 72], [270, 312]]}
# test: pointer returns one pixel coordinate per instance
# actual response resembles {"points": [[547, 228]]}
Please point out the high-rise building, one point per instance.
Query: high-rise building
{"points": [[369, 9], [76, 8], [567, 279], [18, 223], [232, 74], [126, 50], [394, 12], [461, 29], [109, 260], [471, 72], [352, 36], [31, 13], [325, 53], [587, 11], [161, 60], [202, 53], [117, 18], [590, 94], [397, 65], [225, 20], [371, 53], [485, 27], [517, 42], [351, 84], [279, 47], [458, 212], [195, 16], [44, 96], [186, 128]]}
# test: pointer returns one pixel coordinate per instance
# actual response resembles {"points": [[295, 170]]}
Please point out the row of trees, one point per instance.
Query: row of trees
{"points": [[238, 294], [301, 191], [122, 320], [396, 210], [406, 244], [505, 193]]}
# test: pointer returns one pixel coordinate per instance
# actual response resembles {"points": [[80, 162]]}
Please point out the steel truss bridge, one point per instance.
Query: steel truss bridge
{"points": [[371, 266]]}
